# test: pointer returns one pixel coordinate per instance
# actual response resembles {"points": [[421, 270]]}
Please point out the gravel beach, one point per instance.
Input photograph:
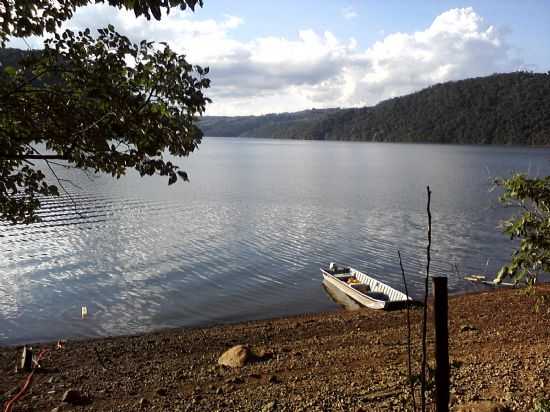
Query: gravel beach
{"points": [[338, 361]]}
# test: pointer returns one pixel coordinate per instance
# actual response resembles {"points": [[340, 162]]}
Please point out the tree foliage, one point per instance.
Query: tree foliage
{"points": [[23, 18], [95, 102], [499, 109], [531, 227]]}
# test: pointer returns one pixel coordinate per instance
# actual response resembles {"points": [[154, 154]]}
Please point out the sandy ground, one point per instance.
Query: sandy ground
{"points": [[339, 361]]}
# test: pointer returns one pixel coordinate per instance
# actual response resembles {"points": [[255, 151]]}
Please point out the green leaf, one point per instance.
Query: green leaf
{"points": [[183, 175], [10, 71], [98, 110]]}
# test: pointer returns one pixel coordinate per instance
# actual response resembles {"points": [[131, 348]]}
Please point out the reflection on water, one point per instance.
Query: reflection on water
{"points": [[245, 239], [339, 297]]}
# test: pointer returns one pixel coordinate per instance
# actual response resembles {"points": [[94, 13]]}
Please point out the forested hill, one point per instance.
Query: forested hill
{"points": [[10, 56], [511, 108]]}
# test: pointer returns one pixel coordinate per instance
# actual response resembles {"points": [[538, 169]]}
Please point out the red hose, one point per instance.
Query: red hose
{"points": [[11, 402]]}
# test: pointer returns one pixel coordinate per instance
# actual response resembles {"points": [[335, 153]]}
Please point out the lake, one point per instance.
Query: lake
{"points": [[246, 237]]}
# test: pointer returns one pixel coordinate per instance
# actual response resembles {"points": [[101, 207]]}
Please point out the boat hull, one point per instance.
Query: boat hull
{"points": [[354, 294], [393, 299]]}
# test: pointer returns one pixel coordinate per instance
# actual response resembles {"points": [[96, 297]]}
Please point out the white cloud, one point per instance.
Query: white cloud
{"points": [[313, 69], [349, 13], [457, 45]]}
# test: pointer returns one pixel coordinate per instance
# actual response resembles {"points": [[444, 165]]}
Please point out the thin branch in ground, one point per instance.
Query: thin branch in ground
{"points": [[409, 349], [425, 317]]}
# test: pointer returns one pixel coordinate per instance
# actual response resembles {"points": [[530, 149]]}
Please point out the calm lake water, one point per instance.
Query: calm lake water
{"points": [[245, 239]]}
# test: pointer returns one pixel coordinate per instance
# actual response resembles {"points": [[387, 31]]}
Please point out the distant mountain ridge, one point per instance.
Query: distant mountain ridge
{"points": [[10, 56], [509, 108]]}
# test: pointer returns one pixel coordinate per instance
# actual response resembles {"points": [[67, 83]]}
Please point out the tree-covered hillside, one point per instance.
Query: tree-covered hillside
{"points": [[511, 108], [262, 126], [10, 56]]}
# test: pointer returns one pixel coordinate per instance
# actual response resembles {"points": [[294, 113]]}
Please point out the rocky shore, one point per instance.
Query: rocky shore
{"points": [[339, 361]]}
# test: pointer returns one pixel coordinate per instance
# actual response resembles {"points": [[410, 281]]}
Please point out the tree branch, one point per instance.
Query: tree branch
{"points": [[409, 349], [33, 157], [425, 314], [65, 190]]}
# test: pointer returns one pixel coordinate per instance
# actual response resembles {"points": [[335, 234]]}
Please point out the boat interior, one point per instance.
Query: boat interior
{"points": [[337, 271], [362, 287]]}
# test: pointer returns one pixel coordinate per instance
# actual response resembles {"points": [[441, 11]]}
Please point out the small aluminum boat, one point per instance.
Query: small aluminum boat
{"points": [[483, 280], [364, 289]]}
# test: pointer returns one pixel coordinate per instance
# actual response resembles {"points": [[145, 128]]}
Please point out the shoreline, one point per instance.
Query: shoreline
{"points": [[285, 139], [341, 361], [342, 307]]}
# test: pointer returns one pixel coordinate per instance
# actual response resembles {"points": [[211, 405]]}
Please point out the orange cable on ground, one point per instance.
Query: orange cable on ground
{"points": [[11, 402]]}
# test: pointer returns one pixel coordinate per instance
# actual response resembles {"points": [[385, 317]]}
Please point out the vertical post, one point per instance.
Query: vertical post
{"points": [[441, 344], [26, 359]]}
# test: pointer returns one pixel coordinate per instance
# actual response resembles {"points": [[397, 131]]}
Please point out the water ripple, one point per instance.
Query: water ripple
{"points": [[247, 244]]}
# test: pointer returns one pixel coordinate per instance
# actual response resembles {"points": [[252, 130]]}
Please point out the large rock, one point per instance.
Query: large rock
{"points": [[235, 357], [481, 406]]}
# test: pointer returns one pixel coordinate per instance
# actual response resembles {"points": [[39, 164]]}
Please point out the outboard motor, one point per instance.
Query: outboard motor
{"points": [[332, 266]]}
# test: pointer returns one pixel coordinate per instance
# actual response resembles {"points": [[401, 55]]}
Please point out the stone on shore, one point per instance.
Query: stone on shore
{"points": [[482, 406], [269, 407], [346, 361], [72, 396], [235, 357]]}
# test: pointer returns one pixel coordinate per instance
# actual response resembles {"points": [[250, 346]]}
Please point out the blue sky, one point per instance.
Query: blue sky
{"points": [[292, 55], [528, 21]]}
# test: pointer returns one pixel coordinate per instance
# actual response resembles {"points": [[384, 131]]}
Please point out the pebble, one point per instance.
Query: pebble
{"points": [[269, 407], [466, 328], [354, 372], [482, 406], [72, 396]]}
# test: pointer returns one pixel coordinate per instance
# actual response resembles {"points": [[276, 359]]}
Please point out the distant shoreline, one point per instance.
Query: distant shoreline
{"points": [[545, 146], [504, 108]]}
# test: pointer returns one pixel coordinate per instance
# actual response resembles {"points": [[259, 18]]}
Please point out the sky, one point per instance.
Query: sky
{"points": [[285, 56]]}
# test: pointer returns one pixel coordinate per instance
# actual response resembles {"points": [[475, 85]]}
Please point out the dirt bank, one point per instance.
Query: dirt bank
{"points": [[341, 361]]}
